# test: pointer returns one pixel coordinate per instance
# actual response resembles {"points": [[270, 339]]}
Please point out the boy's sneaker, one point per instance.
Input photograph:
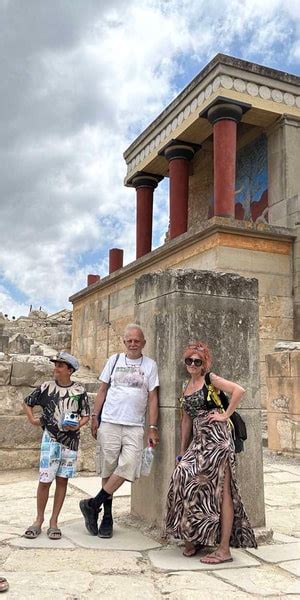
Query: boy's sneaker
{"points": [[90, 516], [106, 527]]}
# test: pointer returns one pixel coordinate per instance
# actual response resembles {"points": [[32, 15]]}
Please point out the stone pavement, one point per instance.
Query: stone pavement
{"points": [[135, 564]]}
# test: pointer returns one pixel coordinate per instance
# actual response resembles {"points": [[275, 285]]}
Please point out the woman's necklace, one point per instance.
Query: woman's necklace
{"points": [[135, 364], [195, 386]]}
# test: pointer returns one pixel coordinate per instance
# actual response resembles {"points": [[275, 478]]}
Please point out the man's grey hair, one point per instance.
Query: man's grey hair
{"points": [[131, 326]]}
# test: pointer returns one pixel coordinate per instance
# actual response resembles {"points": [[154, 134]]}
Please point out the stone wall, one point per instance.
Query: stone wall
{"points": [[19, 440], [283, 404], [53, 330]]}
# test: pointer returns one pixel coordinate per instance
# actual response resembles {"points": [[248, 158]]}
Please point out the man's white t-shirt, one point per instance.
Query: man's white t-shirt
{"points": [[131, 380]]}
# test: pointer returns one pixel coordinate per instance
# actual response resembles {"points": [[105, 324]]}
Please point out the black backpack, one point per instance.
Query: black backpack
{"points": [[239, 431]]}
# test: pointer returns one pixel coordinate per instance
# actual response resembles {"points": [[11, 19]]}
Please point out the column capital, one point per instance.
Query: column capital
{"points": [[179, 149], [143, 179], [224, 109]]}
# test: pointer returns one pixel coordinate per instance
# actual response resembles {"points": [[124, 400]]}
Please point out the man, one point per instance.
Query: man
{"points": [[64, 402], [128, 385]]}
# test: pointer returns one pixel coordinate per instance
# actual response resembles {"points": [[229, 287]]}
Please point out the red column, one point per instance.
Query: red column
{"points": [[92, 279], [179, 155], [224, 118], [144, 185], [115, 259]]}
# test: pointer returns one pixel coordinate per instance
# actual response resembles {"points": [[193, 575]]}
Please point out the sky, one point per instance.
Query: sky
{"points": [[80, 79]]}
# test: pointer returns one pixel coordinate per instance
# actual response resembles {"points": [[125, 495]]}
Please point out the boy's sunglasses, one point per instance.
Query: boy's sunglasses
{"points": [[193, 361]]}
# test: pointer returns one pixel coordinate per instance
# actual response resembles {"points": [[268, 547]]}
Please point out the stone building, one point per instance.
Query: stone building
{"points": [[229, 145]]}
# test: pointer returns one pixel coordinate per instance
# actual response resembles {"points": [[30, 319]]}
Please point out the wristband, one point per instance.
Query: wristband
{"points": [[153, 427], [94, 415], [178, 457]]}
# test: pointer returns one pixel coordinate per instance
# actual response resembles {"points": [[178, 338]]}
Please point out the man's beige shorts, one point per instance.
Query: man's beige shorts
{"points": [[119, 450]]}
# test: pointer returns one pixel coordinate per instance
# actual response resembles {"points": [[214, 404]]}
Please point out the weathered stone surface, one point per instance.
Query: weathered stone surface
{"points": [[118, 587], [276, 553], [95, 561], [196, 586], [278, 364], [5, 372], [17, 432], [222, 309], [49, 585], [265, 580], [27, 458], [19, 343], [87, 450], [30, 370], [11, 399]]}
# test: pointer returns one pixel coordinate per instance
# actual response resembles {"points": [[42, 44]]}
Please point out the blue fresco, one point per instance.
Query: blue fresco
{"points": [[251, 198]]}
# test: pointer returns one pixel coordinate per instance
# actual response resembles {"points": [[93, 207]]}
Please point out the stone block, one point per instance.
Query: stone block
{"points": [[11, 399], [87, 449], [5, 372], [174, 307], [279, 327], [277, 212], [293, 204], [254, 262], [17, 432], [275, 306], [295, 364], [31, 371], [148, 494], [12, 459], [278, 364], [276, 285], [19, 343], [283, 433], [283, 395], [4, 340]]}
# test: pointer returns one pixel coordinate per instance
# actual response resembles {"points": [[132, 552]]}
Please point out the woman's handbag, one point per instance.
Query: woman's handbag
{"points": [[238, 425]]}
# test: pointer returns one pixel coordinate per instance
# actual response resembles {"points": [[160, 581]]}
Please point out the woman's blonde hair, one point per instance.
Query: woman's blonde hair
{"points": [[201, 349]]}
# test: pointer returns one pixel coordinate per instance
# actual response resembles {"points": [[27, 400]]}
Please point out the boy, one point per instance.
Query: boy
{"points": [[62, 400]]}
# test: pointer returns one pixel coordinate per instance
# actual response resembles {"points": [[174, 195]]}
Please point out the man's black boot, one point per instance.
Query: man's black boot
{"points": [[90, 514], [106, 527]]}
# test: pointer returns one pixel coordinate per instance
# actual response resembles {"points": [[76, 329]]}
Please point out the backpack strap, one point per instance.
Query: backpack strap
{"points": [[212, 392], [117, 358]]}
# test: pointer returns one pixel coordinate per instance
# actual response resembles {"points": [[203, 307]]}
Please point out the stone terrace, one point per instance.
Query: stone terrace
{"points": [[136, 563]]}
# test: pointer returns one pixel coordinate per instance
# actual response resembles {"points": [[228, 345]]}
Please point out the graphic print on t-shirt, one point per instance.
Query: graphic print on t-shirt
{"points": [[129, 376]]}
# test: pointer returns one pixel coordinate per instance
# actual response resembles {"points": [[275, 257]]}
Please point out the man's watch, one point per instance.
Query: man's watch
{"points": [[153, 427]]}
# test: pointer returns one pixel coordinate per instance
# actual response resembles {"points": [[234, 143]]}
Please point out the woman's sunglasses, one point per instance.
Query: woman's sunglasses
{"points": [[193, 361]]}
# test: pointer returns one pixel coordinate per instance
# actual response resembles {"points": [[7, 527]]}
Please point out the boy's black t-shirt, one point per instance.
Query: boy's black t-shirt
{"points": [[55, 400]]}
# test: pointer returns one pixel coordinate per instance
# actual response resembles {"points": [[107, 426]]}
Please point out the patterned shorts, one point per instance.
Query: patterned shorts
{"points": [[56, 460]]}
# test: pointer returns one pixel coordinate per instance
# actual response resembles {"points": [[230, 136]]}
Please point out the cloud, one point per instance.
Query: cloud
{"points": [[82, 79]]}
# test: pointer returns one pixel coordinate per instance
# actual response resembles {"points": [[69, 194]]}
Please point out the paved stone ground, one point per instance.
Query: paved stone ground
{"points": [[134, 564]]}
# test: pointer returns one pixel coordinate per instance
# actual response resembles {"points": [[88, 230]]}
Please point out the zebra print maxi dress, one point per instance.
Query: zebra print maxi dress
{"points": [[195, 493]]}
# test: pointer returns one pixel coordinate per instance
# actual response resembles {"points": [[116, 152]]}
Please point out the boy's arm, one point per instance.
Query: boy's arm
{"points": [[36, 421]]}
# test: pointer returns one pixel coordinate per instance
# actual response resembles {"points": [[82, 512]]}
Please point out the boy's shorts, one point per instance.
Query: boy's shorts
{"points": [[56, 460]]}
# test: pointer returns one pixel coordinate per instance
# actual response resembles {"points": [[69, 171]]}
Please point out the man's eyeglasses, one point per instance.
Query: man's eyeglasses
{"points": [[193, 361], [132, 341]]}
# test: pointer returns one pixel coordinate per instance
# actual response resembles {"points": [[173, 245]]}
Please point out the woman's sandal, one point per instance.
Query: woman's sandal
{"points": [[3, 584], [32, 532], [54, 533]]}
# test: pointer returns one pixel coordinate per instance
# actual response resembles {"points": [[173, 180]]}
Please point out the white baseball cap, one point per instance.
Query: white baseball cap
{"points": [[66, 358]]}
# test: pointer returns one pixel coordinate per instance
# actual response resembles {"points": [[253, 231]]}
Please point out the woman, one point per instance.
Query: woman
{"points": [[204, 507]]}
